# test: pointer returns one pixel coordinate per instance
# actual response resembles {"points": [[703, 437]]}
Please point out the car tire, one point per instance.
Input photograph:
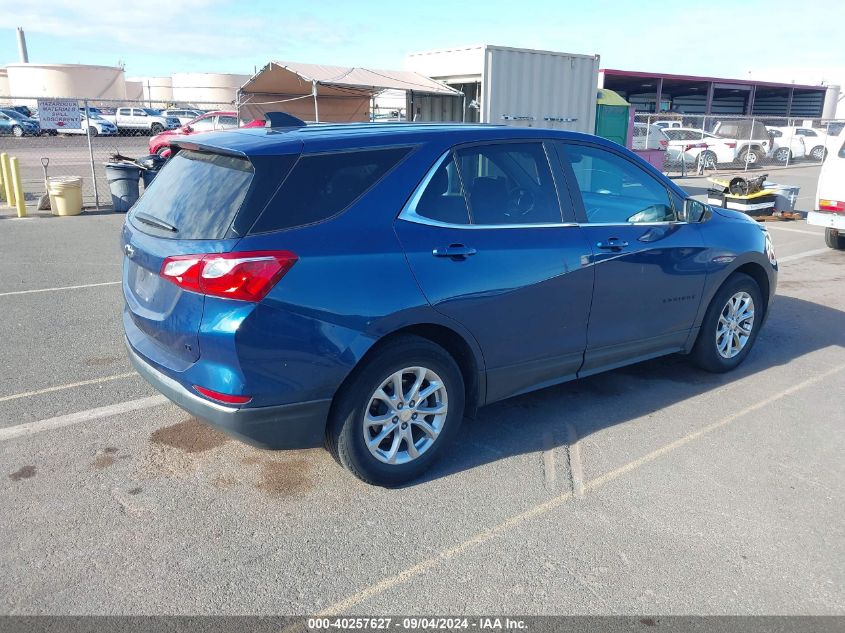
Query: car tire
{"points": [[93, 131], [156, 128], [834, 239], [706, 160], [751, 156], [17, 130], [818, 153], [782, 155], [722, 329], [419, 362]]}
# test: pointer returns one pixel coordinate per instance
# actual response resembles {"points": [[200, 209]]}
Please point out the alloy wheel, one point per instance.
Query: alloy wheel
{"points": [[405, 415], [736, 322]]}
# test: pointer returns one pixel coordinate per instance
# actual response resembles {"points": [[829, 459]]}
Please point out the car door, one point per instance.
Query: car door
{"points": [[490, 249], [650, 266], [5, 124], [139, 118]]}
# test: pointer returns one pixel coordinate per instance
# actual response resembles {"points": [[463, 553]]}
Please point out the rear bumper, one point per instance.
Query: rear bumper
{"points": [[289, 426], [827, 220]]}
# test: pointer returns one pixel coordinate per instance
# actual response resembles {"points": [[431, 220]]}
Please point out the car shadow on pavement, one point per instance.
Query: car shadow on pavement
{"points": [[544, 419]]}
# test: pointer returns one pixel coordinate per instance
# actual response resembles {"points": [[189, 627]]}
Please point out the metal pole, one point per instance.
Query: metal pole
{"points": [[316, 106], [748, 149], [463, 106], [7, 179], [788, 144], [91, 156], [18, 187]]}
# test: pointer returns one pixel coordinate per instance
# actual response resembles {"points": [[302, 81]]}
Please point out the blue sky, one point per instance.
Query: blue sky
{"points": [[781, 40]]}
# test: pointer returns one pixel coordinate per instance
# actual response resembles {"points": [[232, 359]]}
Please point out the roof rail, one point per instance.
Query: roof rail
{"points": [[282, 119]]}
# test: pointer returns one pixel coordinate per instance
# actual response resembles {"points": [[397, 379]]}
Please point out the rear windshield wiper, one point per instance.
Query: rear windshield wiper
{"points": [[159, 224]]}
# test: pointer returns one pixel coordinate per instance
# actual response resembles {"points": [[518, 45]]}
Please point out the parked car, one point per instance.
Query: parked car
{"points": [[786, 147], [210, 121], [366, 285], [814, 140], [98, 125], [141, 120], [648, 137], [24, 110], [667, 124], [752, 139], [14, 123], [184, 116], [830, 199], [698, 147]]}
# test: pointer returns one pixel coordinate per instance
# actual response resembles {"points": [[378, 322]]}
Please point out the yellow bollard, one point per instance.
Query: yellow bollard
{"points": [[18, 187], [7, 182]]}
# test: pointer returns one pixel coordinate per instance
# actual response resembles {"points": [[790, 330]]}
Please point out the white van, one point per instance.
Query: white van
{"points": [[830, 199]]}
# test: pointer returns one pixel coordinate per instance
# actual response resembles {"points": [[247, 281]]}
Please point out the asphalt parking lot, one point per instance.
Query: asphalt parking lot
{"points": [[655, 488]]}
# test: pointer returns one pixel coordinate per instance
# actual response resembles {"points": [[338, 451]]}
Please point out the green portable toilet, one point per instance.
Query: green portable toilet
{"points": [[612, 116]]}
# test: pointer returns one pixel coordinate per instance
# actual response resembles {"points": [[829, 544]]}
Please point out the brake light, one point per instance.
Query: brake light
{"points": [[696, 145], [245, 276], [731, 145], [225, 398], [663, 144], [836, 206]]}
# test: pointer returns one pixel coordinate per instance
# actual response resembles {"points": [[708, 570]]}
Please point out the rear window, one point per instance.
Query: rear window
{"points": [[197, 194], [322, 185]]}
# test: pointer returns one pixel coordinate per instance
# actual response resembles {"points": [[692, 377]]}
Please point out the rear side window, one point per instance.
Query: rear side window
{"points": [[196, 194], [322, 185]]}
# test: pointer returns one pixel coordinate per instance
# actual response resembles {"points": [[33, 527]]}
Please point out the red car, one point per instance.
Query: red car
{"points": [[215, 120]]}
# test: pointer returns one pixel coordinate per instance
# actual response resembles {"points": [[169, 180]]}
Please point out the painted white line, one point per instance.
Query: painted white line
{"points": [[29, 292], [31, 428], [82, 383], [343, 606], [788, 230], [792, 258]]}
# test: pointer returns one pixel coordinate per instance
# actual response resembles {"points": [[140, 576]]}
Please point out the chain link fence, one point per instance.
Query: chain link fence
{"points": [[688, 144], [126, 128]]}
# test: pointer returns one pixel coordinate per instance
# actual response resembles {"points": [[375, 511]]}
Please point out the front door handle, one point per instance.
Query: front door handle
{"points": [[455, 251], [613, 244]]}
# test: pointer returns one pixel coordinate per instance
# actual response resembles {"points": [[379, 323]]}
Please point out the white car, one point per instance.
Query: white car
{"points": [[184, 115], [667, 124], [648, 137], [698, 147], [830, 199], [786, 147], [99, 126], [815, 141]]}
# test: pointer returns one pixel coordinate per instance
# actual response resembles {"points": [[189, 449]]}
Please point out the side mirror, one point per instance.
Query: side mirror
{"points": [[694, 211], [187, 129]]}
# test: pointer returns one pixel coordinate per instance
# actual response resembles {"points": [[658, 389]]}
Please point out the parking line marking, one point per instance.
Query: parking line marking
{"points": [[783, 228], [31, 428], [792, 258], [81, 383], [389, 582], [29, 292]]}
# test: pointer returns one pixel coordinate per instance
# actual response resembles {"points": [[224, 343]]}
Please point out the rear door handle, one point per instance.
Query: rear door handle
{"points": [[455, 251], [613, 244]]}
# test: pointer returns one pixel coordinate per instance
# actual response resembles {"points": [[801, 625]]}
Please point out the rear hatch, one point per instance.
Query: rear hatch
{"points": [[190, 208]]}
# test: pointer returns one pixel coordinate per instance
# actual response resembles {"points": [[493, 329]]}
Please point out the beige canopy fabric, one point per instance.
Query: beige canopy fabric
{"points": [[343, 93]]}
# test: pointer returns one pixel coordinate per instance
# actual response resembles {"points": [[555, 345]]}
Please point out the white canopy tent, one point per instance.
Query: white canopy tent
{"points": [[338, 94]]}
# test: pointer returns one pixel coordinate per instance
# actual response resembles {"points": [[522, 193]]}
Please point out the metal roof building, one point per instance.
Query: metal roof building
{"points": [[712, 95]]}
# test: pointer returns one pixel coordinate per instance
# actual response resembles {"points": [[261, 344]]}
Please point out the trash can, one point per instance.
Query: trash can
{"points": [[151, 165], [123, 182], [785, 197], [65, 194]]}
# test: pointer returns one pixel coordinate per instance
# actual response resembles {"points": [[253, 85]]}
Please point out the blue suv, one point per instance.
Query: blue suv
{"points": [[367, 285]]}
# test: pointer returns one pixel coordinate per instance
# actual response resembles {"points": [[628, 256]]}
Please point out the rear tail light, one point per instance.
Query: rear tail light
{"points": [[246, 276], [731, 145], [663, 144], [694, 146], [224, 398], [837, 206]]}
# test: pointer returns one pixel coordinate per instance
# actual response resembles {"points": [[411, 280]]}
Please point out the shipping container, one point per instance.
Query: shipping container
{"points": [[511, 86]]}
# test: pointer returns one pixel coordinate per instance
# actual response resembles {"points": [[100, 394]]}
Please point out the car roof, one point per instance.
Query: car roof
{"points": [[338, 136]]}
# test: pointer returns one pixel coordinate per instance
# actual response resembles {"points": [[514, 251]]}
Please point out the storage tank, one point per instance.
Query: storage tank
{"points": [[4, 87], [29, 81], [513, 86], [156, 92], [213, 89]]}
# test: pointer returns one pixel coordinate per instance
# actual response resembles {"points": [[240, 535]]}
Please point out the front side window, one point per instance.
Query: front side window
{"points": [[227, 122], [615, 191], [206, 123]]}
